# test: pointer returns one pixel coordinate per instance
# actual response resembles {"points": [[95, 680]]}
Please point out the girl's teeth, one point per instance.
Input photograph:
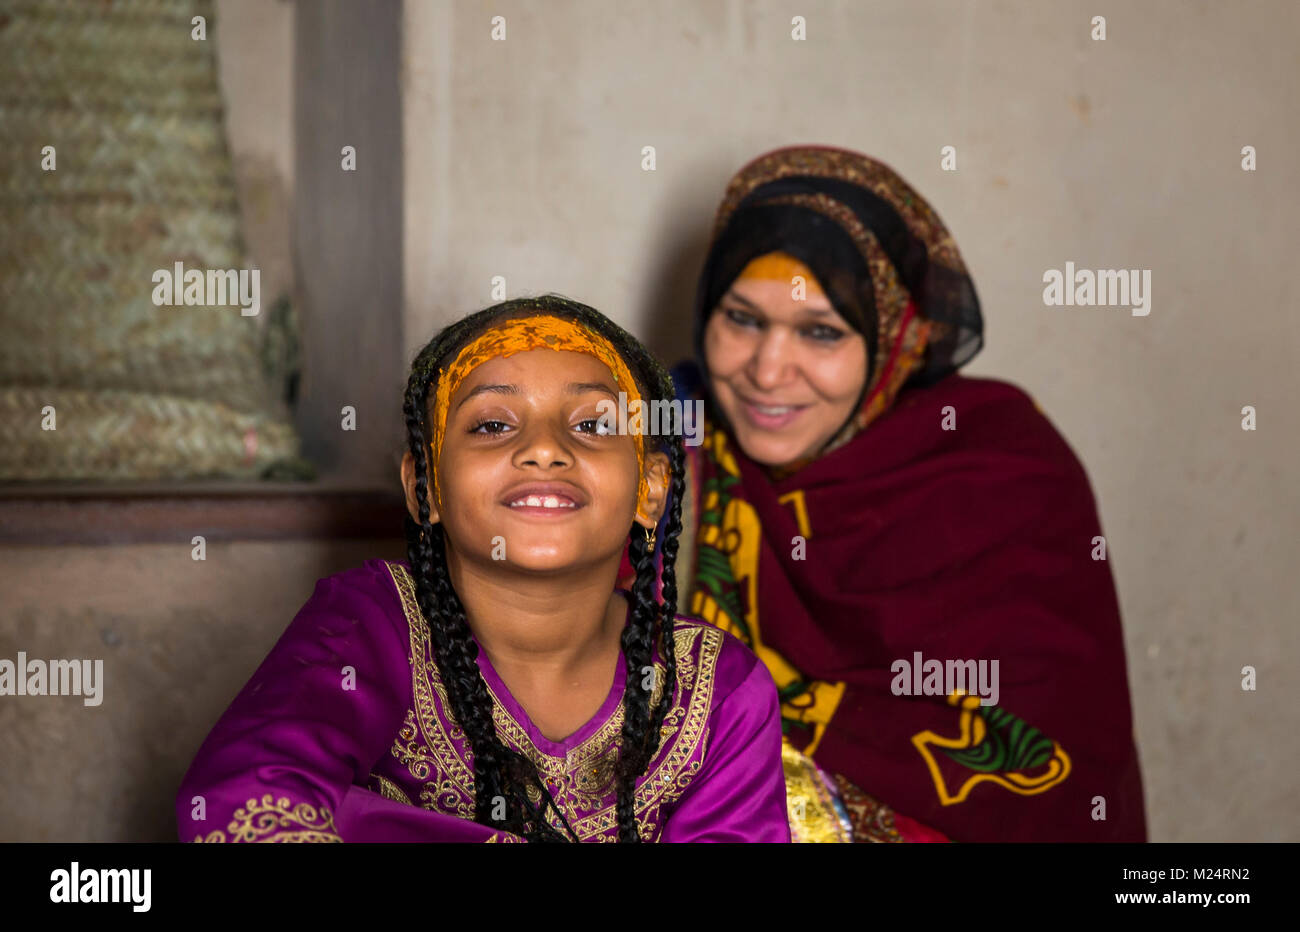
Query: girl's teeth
{"points": [[781, 410], [537, 501]]}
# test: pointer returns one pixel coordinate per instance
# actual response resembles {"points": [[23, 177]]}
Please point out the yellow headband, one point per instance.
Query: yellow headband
{"points": [[780, 266], [520, 336]]}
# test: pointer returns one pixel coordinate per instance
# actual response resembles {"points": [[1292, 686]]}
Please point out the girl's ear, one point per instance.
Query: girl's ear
{"points": [[412, 500], [651, 508]]}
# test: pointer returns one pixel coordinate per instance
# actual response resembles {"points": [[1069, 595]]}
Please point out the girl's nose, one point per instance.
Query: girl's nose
{"points": [[544, 445]]}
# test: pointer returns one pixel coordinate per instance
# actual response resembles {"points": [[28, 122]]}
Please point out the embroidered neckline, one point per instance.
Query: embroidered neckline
{"points": [[611, 707], [580, 781]]}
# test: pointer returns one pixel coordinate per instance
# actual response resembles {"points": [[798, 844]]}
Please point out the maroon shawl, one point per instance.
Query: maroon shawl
{"points": [[974, 543]]}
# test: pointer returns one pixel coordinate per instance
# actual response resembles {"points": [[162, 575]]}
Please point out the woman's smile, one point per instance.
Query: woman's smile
{"points": [[770, 416]]}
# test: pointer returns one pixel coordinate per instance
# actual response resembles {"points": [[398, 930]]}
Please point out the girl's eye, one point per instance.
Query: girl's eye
{"points": [[823, 334], [594, 425], [740, 318], [489, 427]]}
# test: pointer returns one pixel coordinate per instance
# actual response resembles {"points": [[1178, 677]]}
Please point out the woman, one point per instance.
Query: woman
{"points": [[916, 555]]}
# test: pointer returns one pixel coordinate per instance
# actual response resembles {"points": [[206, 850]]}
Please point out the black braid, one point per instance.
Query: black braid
{"points": [[501, 773], [634, 754], [668, 577], [645, 736]]}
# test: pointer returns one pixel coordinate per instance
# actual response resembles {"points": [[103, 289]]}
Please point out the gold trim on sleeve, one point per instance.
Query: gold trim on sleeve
{"points": [[277, 820]]}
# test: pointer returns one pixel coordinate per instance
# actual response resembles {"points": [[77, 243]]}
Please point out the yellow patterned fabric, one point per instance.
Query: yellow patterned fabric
{"points": [[732, 528], [811, 801]]}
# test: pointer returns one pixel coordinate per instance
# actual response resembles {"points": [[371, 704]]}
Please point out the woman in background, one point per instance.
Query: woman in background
{"points": [[916, 555]]}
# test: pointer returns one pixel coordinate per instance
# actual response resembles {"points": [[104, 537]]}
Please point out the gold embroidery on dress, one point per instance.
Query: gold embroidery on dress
{"points": [[273, 820], [390, 790], [423, 744], [503, 837], [582, 780]]}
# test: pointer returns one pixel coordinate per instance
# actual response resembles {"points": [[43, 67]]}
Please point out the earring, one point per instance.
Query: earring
{"points": [[650, 537]]}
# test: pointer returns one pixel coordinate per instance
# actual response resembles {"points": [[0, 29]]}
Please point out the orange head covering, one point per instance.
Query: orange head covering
{"points": [[782, 267]]}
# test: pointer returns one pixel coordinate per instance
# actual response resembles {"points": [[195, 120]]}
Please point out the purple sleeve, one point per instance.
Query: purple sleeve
{"points": [[322, 708], [739, 793]]}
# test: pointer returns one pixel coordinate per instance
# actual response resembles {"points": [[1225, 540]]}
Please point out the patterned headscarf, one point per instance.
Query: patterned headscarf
{"points": [[878, 249]]}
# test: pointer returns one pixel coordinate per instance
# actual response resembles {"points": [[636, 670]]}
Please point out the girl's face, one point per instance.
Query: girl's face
{"points": [[786, 373], [528, 477]]}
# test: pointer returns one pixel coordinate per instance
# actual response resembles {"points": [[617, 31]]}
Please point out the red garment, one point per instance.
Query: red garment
{"points": [[974, 543]]}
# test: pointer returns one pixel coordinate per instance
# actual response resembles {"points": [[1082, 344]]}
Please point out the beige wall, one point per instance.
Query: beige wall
{"points": [[178, 638], [523, 160]]}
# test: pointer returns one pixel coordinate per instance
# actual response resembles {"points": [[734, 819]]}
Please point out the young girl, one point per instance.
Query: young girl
{"points": [[496, 686]]}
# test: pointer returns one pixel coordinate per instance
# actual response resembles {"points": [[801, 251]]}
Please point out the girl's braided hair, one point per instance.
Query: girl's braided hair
{"points": [[502, 774]]}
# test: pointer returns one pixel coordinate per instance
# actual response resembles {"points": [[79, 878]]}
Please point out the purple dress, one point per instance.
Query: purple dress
{"points": [[344, 734]]}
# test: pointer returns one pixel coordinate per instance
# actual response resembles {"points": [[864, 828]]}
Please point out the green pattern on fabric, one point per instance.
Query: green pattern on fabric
{"points": [[1009, 745], [714, 565], [715, 578]]}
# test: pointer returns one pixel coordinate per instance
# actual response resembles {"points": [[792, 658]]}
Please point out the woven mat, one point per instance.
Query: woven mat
{"points": [[131, 104]]}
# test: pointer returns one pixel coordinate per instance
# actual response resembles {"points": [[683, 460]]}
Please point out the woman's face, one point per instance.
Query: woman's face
{"points": [[530, 480], [786, 372]]}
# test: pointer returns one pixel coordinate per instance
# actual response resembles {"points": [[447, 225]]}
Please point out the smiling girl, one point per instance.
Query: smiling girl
{"points": [[496, 685]]}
